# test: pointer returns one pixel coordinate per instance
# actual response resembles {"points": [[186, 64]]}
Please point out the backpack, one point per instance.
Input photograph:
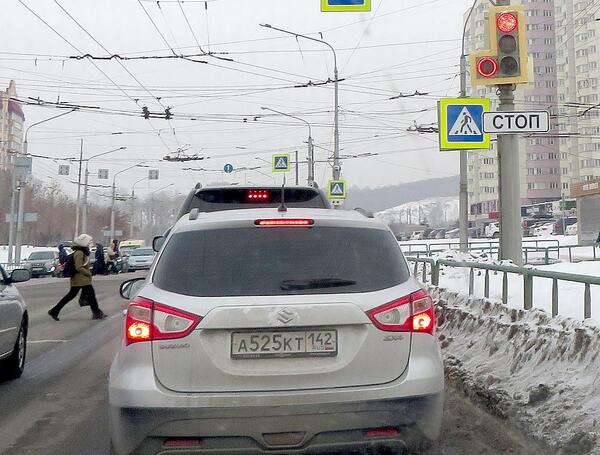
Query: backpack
{"points": [[69, 269]]}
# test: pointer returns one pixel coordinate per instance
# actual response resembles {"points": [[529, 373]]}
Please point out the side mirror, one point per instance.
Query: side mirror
{"points": [[19, 275], [158, 242], [130, 288]]}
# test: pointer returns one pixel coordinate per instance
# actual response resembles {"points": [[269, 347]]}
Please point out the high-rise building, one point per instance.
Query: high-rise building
{"points": [[12, 119], [578, 72], [540, 157]]}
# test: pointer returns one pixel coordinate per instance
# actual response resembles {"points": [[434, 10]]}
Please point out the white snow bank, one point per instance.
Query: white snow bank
{"points": [[25, 251], [542, 373]]}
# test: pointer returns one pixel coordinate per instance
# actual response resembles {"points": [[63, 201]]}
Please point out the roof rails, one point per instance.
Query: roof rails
{"points": [[364, 212]]}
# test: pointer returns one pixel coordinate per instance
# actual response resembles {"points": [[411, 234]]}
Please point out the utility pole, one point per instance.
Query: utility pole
{"points": [[511, 246], [13, 198], [311, 148], [86, 183], [113, 197], [132, 220], [511, 233], [337, 169], [297, 173], [78, 210], [463, 194]]}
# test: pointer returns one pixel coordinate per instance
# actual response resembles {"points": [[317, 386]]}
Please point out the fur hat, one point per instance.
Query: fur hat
{"points": [[83, 240]]}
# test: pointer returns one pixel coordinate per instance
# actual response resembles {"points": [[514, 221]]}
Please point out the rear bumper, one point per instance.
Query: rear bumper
{"points": [[143, 414], [296, 429]]}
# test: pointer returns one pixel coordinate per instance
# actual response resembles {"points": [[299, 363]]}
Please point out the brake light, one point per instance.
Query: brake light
{"points": [[257, 195], [411, 313], [382, 433], [148, 321], [284, 222]]}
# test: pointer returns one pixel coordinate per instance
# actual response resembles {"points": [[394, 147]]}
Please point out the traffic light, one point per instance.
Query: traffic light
{"points": [[506, 62]]}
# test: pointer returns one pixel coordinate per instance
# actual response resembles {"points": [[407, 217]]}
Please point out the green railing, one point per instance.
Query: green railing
{"points": [[531, 254], [528, 274]]}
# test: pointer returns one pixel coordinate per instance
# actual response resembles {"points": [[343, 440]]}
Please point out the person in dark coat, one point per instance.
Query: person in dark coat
{"points": [[100, 264], [81, 281], [62, 254]]}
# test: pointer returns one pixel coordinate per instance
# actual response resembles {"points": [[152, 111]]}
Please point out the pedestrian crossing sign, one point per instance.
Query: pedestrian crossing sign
{"points": [[337, 189], [461, 123], [345, 5], [281, 163]]}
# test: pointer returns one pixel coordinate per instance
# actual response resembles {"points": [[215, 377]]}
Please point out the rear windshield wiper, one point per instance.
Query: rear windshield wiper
{"points": [[315, 283]]}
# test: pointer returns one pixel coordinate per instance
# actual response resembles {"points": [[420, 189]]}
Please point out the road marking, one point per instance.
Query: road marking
{"points": [[46, 341]]}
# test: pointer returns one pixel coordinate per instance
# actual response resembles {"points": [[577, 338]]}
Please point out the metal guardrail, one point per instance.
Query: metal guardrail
{"points": [[549, 252], [528, 275]]}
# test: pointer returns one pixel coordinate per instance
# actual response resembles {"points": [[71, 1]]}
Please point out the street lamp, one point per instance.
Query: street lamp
{"points": [[311, 150], [114, 192], [21, 202], [133, 206], [85, 186], [336, 131]]}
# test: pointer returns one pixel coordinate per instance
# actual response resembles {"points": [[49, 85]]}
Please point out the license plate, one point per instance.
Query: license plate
{"points": [[284, 344]]}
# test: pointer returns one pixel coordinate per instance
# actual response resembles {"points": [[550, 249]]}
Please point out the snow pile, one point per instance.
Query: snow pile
{"points": [[435, 211], [543, 373], [25, 251]]}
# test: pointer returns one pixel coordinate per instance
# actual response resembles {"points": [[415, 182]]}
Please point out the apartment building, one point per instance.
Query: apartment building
{"points": [[540, 157], [12, 119], [578, 72]]}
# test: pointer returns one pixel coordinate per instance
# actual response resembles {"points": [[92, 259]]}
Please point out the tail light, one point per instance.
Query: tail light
{"points": [[412, 313], [149, 321]]}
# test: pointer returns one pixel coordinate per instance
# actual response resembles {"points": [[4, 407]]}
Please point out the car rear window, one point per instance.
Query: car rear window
{"points": [[280, 261], [142, 252], [220, 199]]}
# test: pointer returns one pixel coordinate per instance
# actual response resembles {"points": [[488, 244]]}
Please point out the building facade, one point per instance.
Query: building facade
{"points": [[12, 119], [540, 157]]}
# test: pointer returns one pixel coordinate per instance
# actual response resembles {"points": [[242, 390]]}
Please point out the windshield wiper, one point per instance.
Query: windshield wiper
{"points": [[315, 283]]}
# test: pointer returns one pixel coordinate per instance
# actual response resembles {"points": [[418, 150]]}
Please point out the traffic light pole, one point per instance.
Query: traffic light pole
{"points": [[509, 182]]}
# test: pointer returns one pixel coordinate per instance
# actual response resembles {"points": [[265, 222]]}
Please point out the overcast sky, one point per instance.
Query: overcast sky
{"points": [[402, 46]]}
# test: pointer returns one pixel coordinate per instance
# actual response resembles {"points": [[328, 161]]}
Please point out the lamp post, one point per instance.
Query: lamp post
{"points": [[21, 196], [336, 130], [311, 149], [114, 193], [133, 206], [85, 186]]}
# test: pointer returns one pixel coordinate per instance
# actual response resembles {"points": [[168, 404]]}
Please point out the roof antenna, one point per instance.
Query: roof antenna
{"points": [[282, 207]]}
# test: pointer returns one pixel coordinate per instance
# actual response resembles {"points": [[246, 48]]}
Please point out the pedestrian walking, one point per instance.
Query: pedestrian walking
{"points": [[77, 267], [99, 267], [112, 253], [62, 254]]}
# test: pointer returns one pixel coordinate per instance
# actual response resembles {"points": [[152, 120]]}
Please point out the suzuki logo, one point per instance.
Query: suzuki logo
{"points": [[286, 315]]}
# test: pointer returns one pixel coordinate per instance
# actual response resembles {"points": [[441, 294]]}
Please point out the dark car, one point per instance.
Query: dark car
{"points": [[215, 199], [562, 223]]}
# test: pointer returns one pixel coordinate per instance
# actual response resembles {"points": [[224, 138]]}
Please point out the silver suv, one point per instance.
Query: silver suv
{"points": [[258, 331]]}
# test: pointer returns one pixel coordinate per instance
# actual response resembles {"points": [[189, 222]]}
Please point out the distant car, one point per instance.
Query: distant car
{"points": [[441, 234], [244, 340], [544, 230], [42, 263], [140, 259], [418, 235], [563, 223], [14, 323], [474, 233], [571, 230], [452, 234], [432, 234], [492, 230], [402, 237]]}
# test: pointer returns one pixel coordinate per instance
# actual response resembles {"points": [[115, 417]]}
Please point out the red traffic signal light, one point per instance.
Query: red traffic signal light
{"points": [[506, 61], [487, 67], [507, 22]]}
